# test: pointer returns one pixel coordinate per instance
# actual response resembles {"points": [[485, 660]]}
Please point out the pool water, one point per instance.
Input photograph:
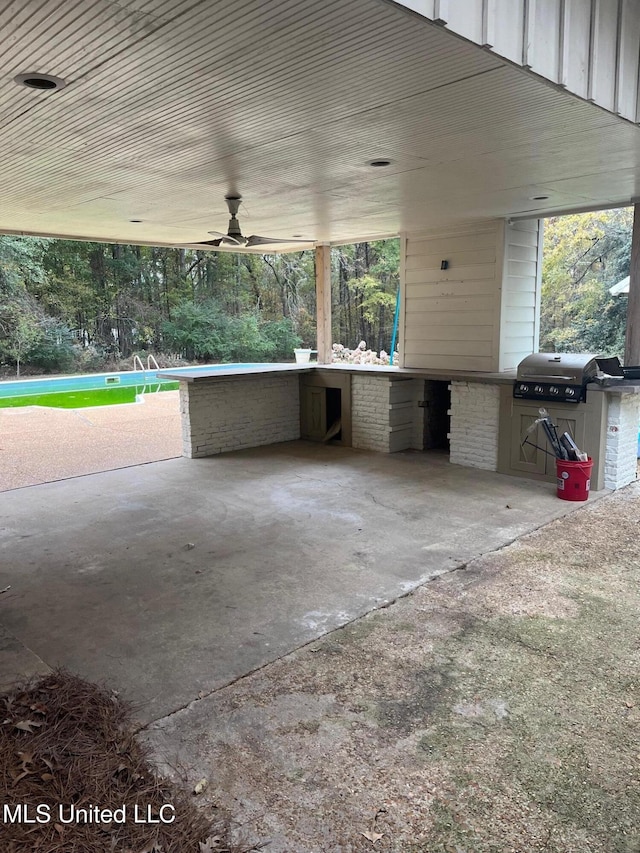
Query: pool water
{"points": [[86, 397], [95, 389]]}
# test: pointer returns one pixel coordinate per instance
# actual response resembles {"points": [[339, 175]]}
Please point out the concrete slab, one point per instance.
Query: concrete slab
{"points": [[171, 579]]}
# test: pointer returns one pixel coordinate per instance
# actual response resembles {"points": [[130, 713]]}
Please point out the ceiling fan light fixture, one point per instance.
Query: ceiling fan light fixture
{"points": [[43, 82]]}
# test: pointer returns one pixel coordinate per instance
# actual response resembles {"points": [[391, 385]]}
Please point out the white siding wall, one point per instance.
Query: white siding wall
{"points": [[482, 312], [589, 46], [520, 317], [451, 317]]}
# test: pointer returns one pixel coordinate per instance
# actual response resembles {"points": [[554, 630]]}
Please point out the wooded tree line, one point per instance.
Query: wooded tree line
{"points": [[70, 305], [584, 255], [76, 306]]}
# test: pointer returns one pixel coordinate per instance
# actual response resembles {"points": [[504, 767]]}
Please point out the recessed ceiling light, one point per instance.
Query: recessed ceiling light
{"points": [[43, 82], [538, 197], [377, 164], [135, 220], [296, 235]]}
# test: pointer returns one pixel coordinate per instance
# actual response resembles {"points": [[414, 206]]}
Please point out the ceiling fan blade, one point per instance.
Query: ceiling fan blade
{"points": [[218, 233], [203, 243], [255, 240], [224, 240]]}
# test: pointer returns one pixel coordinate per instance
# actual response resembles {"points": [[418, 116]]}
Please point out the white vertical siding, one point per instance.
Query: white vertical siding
{"points": [[450, 316], [466, 21], [589, 46], [627, 90], [604, 71], [422, 7], [519, 321], [502, 22], [578, 22], [545, 53]]}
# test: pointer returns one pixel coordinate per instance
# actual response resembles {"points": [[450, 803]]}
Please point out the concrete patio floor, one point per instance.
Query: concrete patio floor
{"points": [[172, 579]]}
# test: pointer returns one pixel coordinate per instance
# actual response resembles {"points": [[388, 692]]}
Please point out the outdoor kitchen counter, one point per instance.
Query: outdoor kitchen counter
{"points": [[231, 408], [620, 388], [221, 373]]}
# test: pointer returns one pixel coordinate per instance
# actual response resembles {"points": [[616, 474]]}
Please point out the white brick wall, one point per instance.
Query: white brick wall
{"points": [[385, 413], [620, 460], [235, 414], [475, 408], [370, 412]]}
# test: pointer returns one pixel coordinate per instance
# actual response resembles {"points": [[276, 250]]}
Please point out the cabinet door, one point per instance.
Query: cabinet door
{"points": [[527, 449], [571, 421], [313, 424]]}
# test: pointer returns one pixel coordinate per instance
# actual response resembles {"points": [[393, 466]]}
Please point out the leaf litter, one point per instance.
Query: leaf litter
{"points": [[67, 742]]}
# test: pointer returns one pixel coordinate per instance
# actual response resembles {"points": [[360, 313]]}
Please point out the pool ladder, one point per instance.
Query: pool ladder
{"points": [[152, 364]]}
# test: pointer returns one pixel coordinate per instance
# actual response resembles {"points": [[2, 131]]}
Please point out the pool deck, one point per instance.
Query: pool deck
{"points": [[39, 445]]}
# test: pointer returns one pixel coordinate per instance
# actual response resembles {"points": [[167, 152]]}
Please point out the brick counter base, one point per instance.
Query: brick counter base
{"points": [[475, 414], [236, 414]]}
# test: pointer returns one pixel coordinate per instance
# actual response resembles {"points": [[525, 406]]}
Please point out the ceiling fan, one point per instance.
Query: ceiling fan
{"points": [[234, 236]]}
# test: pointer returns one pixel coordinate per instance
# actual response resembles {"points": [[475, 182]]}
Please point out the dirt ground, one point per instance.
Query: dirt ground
{"points": [[495, 709]]}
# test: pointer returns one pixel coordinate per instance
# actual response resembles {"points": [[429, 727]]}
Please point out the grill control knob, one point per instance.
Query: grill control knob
{"points": [[524, 389], [554, 389], [570, 392], [539, 389]]}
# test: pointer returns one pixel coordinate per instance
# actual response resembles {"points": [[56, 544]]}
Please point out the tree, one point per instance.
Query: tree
{"points": [[87, 305], [365, 293], [20, 315], [584, 255]]}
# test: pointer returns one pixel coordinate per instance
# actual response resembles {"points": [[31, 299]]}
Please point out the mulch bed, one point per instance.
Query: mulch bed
{"points": [[68, 758]]}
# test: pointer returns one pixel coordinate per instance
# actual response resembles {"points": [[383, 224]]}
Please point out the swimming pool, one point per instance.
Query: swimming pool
{"points": [[94, 389]]}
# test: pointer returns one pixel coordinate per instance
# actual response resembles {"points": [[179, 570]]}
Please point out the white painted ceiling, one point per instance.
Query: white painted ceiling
{"points": [[170, 104]]}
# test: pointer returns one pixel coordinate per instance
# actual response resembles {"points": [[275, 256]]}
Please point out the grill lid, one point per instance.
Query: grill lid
{"points": [[568, 367]]}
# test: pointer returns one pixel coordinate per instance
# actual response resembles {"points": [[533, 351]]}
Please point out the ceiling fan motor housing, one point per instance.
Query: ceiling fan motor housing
{"points": [[234, 229], [233, 203]]}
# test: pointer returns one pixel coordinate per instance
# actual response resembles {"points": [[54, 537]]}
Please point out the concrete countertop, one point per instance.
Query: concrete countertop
{"points": [[620, 388], [200, 375], [506, 378], [222, 373]]}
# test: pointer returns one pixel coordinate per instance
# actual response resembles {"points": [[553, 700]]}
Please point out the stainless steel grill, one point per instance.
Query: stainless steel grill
{"points": [[555, 376]]}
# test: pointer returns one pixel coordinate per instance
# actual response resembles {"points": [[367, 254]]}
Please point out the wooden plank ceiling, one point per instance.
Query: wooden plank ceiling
{"points": [[170, 104]]}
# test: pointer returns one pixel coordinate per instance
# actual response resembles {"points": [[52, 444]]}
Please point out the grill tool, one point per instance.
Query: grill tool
{"points": [[563, 448]]}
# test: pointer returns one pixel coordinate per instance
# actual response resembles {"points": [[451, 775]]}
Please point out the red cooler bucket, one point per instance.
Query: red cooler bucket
{"points": [[574, 479]]}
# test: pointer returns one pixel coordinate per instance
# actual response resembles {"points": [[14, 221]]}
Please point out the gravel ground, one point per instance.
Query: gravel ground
{"points": [[39, 445], [495, 709]]}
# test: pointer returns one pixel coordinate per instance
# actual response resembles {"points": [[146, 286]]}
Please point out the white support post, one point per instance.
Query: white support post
{"points": [[323, 304]]}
